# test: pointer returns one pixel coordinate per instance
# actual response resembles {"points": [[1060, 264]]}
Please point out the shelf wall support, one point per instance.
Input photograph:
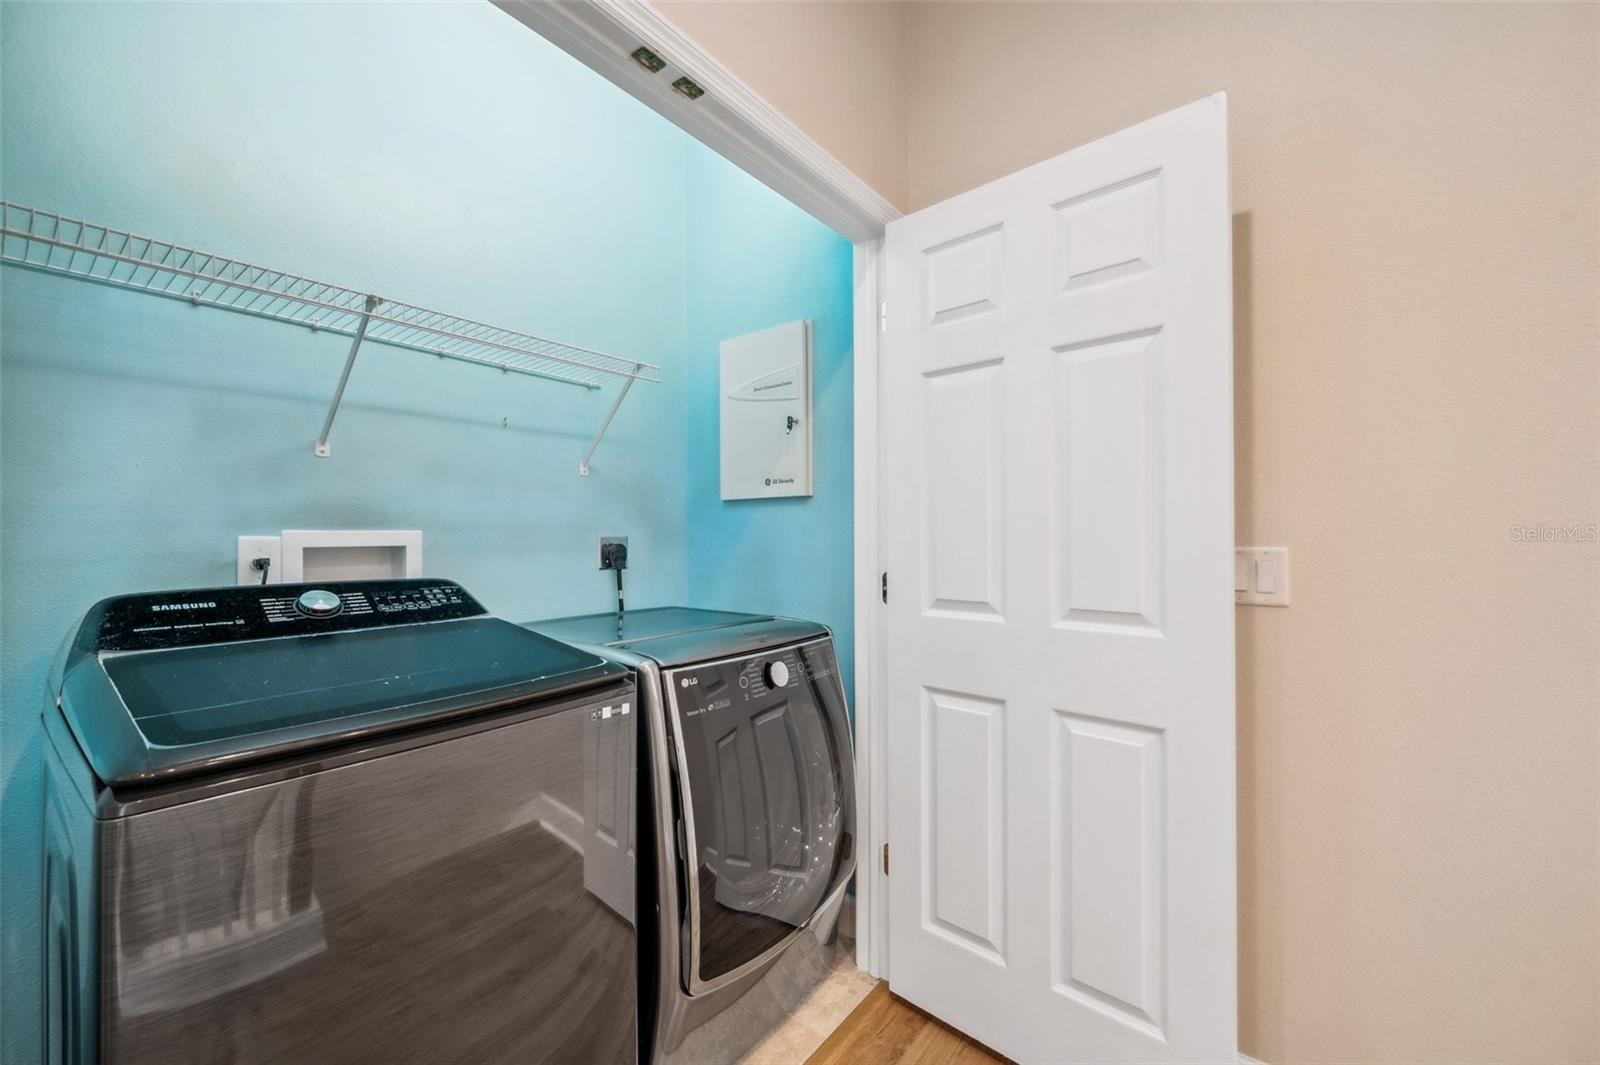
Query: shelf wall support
{"points": [[322, 450], [583, 467]]}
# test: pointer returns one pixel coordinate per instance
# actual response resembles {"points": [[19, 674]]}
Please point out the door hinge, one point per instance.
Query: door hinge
{"points": [[883, 316], [883, 588], [885, 859]]}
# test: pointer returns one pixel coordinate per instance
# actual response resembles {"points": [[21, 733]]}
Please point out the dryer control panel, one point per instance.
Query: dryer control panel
{"points": [[759, 678]]}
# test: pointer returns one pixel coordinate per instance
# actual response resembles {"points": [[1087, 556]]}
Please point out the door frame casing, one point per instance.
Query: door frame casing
{"points": [[872, 622], [733, 120]]}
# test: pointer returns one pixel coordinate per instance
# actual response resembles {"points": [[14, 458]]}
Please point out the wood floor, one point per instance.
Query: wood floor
{"points": [[885, 1030]]}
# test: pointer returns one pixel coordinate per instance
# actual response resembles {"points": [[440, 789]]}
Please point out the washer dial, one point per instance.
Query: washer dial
{"points": [[318, 603]]}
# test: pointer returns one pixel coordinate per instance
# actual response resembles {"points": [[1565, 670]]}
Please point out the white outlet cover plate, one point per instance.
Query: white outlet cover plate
{"points": [[1261, 576]]}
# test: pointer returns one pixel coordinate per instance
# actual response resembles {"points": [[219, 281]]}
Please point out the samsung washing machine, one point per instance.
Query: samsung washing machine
{"points": [[746, 827], [349, 823]]}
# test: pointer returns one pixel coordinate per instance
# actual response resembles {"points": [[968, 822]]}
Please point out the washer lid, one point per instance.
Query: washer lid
{"points": [[676, 635], [601, 630], [190, 706]]}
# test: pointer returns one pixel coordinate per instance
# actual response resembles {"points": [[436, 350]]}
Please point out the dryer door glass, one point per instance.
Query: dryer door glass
{"points": [[764, 747]]}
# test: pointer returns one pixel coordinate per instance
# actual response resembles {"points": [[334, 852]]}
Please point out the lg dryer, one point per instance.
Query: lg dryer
{"points": [[353, 823], [747, 809]]}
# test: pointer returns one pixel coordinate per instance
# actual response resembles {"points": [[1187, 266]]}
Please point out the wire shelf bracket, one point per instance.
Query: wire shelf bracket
{"points": [[53, 243], [320, 448], [622, 394]]}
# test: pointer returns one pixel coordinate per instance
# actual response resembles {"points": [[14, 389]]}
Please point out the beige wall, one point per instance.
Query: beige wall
{"points": [[1414, 190], [1415, 195], [835, 69]]}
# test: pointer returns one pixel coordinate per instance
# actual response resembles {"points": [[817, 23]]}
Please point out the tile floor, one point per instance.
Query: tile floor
{"points": [[815, 1018]]}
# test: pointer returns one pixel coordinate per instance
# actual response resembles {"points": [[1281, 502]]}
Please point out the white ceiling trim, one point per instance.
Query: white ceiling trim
{"points": [[731, 118]]}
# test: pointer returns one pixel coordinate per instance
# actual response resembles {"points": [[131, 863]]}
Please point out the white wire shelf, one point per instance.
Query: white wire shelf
{"points": [[53, 243]]}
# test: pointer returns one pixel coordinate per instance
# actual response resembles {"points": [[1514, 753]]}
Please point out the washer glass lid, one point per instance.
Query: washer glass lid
{"points": [[226, 691]]}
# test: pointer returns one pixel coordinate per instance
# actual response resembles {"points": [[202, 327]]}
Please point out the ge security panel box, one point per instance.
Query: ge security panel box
{"points": [[766, 413]]}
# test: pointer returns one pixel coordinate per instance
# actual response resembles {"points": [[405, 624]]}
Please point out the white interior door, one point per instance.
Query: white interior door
{"points": [[1058, 427]]}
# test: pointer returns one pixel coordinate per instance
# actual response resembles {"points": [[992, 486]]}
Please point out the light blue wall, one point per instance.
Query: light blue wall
{"points": [[435, 153], [756, 260]]}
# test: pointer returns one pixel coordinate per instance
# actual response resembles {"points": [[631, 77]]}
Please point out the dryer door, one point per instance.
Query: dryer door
{"points": [[767, 770]]}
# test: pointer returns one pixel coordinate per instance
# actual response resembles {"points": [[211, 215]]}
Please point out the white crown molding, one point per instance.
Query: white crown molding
{"points": [[731, 118]]}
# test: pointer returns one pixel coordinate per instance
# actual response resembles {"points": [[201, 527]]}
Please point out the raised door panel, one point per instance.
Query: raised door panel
{"points": [[964, 840], [964, 503], [1110, 234], [964, 277], [1106, 482], [1108, 920]]}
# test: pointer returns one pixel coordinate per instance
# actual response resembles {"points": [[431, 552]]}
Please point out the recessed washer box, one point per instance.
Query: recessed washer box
{"points": [[351, 554], [766, 413]]}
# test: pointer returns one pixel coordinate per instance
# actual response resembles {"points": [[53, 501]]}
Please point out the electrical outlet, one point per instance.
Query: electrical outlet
{"points": [[254, 547], [1261, 576], [600, 556]]}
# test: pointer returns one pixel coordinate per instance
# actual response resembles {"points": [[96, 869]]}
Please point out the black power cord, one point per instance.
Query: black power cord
{"points": [[615, 557], [261, 565]]}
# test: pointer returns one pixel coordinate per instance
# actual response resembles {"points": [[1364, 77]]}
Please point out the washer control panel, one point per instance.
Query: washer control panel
{"points": [[223, 615], [424, 602]]}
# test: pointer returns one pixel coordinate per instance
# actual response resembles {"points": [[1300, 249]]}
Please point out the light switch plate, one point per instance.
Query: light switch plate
{"points": [[1261, 576]]}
